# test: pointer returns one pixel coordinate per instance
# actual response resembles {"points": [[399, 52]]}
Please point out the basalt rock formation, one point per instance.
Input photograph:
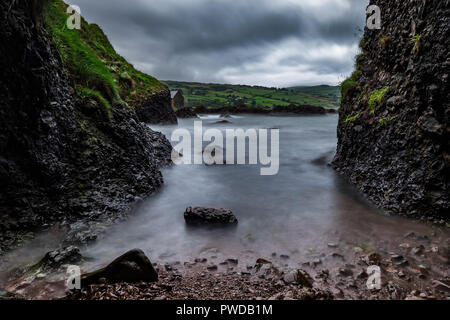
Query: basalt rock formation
{"points": [[64, 156], [156, 109], [393, 122]]}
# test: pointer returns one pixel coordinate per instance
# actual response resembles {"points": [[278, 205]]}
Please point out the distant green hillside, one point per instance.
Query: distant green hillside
{"points": [[219, 95], [94, 67]]}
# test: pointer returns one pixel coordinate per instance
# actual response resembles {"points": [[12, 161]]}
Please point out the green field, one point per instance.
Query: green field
{"points": [[220, 95]]}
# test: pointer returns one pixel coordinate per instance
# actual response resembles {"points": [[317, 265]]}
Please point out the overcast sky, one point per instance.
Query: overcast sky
{"points": [[257, 42]]}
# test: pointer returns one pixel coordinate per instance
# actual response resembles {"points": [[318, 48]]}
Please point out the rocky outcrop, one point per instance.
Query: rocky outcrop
{"points": [[393, 130], [201, 215], [156, 109], [63, 159]]}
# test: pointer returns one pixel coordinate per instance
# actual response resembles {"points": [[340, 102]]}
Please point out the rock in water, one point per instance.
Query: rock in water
{"points": [[198, 215], [222, 122], [133, 266]]}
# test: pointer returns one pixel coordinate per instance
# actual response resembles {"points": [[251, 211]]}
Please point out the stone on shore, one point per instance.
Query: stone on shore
{"points": [[57, 258], [300, 277], [132, 267]]}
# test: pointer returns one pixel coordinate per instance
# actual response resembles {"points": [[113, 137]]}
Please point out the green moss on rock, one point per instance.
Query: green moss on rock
{"points": [[376, 98], [415, 41], [349, 84], [384, 41], [385, 120], [86, 93], [352, 118]]}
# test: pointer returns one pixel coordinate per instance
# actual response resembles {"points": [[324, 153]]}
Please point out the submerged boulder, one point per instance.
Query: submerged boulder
{"points": [[133, 266], [198, 215]]}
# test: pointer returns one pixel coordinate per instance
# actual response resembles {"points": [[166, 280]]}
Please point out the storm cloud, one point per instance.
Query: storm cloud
{"points": [[258, 42]]}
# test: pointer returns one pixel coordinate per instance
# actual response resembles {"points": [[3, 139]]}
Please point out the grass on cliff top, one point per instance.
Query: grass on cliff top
{"points": [[352, 82], [93, 65], [349, 84]]}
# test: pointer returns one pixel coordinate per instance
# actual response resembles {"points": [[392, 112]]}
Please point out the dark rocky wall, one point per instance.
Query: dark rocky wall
{"points": [[157, 109], [396, 151], [61, 160]]}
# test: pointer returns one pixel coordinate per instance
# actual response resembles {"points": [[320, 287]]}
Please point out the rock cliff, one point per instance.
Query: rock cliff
{"points": [[67, 153], [393, 122]]}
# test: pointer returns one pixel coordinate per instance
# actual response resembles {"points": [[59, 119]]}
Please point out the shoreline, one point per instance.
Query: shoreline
{"points": [[337, 274], [417, 269]]}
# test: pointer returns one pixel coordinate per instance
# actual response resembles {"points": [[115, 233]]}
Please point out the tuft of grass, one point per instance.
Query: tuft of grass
{"points": [[359, 60], [362, 43], [349, 84], [375, 98], [385, 120], [352, 118], [86, 93], [384, 41], [415, 41]]}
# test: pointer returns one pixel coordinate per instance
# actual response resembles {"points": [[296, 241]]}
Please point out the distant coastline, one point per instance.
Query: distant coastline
{"points": [[213, 95]]}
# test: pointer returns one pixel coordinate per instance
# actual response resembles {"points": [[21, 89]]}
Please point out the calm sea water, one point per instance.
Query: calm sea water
{"points": [[297, 212]]}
